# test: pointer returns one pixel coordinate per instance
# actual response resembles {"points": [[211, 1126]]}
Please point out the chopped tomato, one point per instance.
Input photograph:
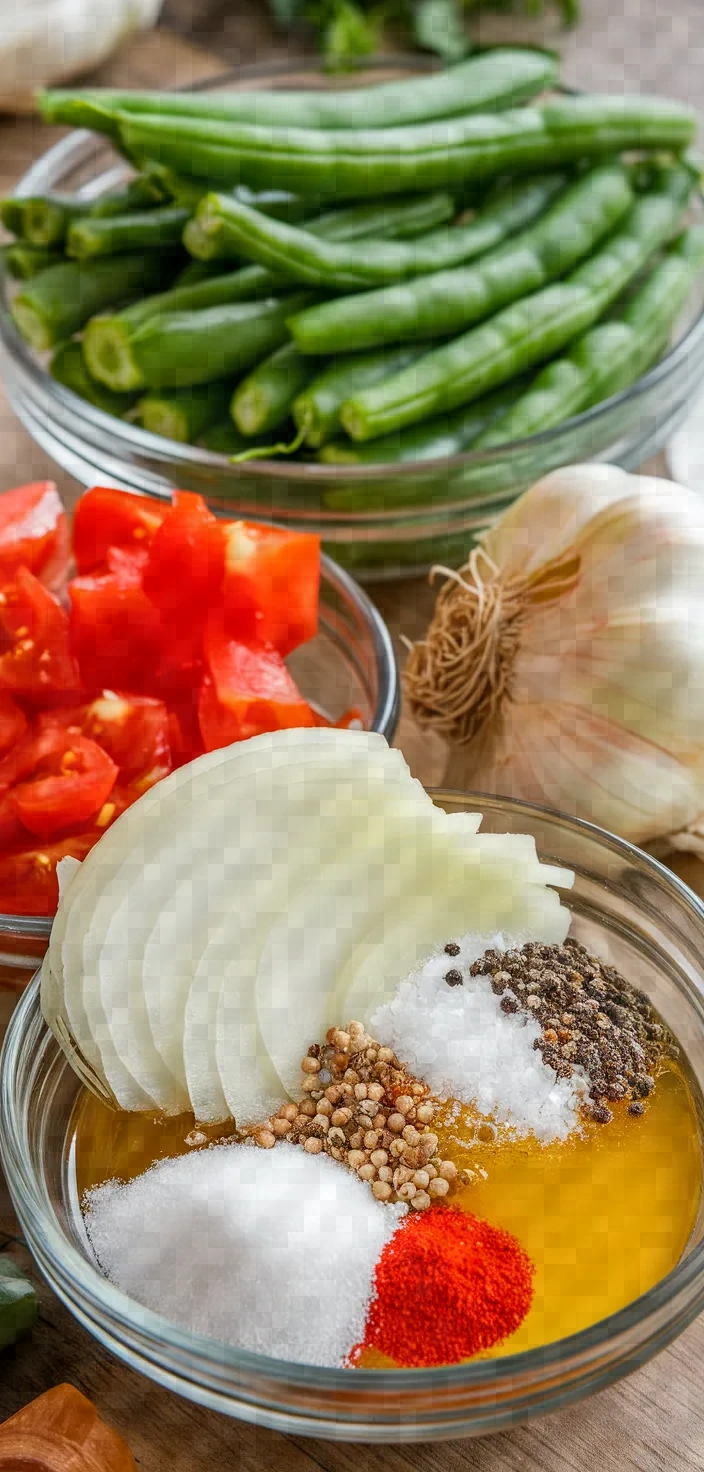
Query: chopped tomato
{"points": [[13, 721], [36, 662], [45, 743], [271, 585], [134, 731], [66, 789], [351, 720], [34, 533], [247, 690], [183, 576], [28, 883], [108, 518], [115, 629]]}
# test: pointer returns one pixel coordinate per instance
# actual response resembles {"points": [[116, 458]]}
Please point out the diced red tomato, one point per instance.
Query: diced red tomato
{"points": [[45, 743], [108, 518], [271, 585], [183, 576], [36, 663], [13, 721], [115, 629], [247, 690], [134, 731], [351, 719], [66, 790], [34, 533], [28, 883]]}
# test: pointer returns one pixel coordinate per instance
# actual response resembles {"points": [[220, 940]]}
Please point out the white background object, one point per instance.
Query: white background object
{"points": [[45, 42]]}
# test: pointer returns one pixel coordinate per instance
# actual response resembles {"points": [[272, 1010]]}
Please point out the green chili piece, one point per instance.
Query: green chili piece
{"points": [[496, 79], [444, 302], [299, 255], [373, 162], [526, 333], [68, 368], [56, 304], [612, 355]]}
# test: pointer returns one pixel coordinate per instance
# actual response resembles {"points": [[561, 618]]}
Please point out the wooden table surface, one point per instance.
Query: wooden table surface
{"points": [[652, 1422]]}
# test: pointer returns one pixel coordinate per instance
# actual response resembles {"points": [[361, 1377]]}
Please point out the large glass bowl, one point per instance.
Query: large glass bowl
{"points": [[377, 522], [351, 662], [625, 906]]}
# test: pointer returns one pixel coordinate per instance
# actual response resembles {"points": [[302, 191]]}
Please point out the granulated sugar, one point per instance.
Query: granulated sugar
{"points": [[271, 1251], [449, 1029]]}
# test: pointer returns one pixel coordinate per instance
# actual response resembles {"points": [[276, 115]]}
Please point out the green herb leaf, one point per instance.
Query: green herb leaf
{"points": [[437, 26], [349, 35], [18, 1302]]}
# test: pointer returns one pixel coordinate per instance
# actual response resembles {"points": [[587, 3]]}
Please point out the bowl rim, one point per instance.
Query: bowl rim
{"points": [[584, 1350], [78, 146], [384, 720]]}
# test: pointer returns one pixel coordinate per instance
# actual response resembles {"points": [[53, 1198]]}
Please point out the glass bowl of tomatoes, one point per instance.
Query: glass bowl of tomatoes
{"points": [[135, 639]]}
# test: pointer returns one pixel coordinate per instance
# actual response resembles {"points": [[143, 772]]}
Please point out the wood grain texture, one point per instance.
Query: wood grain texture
{"points": [[654, 1421]]}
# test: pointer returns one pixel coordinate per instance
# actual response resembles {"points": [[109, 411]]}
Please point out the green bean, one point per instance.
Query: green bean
{"points": [[141, 193], [107, 338], [188, 192], [45, 220], [57, 303], [119, 234], [181, 349], [68, 368], [224, 439], [301, 256], [316, 411], [184, 414], [527, 333], [42, 220], [350, 165], [196, 271], [609, 357], [25, 261], [263, 400], [434, 439], [496, 79], [446, 301], [398, 219]]}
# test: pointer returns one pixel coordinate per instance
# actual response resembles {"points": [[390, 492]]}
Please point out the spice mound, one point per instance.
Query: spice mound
{"points": [[593, 1022], [451, 1030], [363, 1108], [274, 1253], [447, 1285]]}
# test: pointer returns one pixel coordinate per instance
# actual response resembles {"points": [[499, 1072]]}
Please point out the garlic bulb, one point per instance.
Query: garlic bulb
{"points": [[565, 663], [49, 41]]}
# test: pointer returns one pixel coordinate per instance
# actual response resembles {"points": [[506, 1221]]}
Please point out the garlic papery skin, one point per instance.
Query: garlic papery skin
{"points": [[565, 663], [43, 42]]}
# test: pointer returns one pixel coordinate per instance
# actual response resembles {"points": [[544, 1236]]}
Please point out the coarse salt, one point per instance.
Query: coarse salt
{"points": [[458, 1039], [269, 1251]]}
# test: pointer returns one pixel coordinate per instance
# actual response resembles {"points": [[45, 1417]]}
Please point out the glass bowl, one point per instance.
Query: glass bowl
{"points": [[626, 906], [377, 522], [351, 662]]}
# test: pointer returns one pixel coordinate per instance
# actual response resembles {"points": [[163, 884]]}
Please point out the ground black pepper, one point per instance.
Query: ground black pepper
{"points": [[591, 1018]]}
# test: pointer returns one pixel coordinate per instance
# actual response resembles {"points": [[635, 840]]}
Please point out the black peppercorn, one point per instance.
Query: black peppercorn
{"points": [[453, 978], [452, 948]]}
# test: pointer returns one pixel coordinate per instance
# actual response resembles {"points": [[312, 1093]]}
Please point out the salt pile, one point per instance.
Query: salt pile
{"points": [[458, 1039], [271, 1251]]}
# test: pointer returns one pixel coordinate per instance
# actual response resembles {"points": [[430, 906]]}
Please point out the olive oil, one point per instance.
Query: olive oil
{"points": [[604, 1216]]}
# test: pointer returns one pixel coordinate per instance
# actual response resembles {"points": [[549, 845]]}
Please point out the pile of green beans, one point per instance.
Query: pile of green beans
{"points": [[380, 275]]}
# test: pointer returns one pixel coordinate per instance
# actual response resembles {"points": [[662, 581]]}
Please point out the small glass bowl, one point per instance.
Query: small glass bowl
{"points": [[351, 662], [625, 906], [383, 521]]}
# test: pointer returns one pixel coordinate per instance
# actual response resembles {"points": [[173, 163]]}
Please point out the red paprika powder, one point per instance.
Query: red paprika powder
{"points": [[447, 1285]]}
